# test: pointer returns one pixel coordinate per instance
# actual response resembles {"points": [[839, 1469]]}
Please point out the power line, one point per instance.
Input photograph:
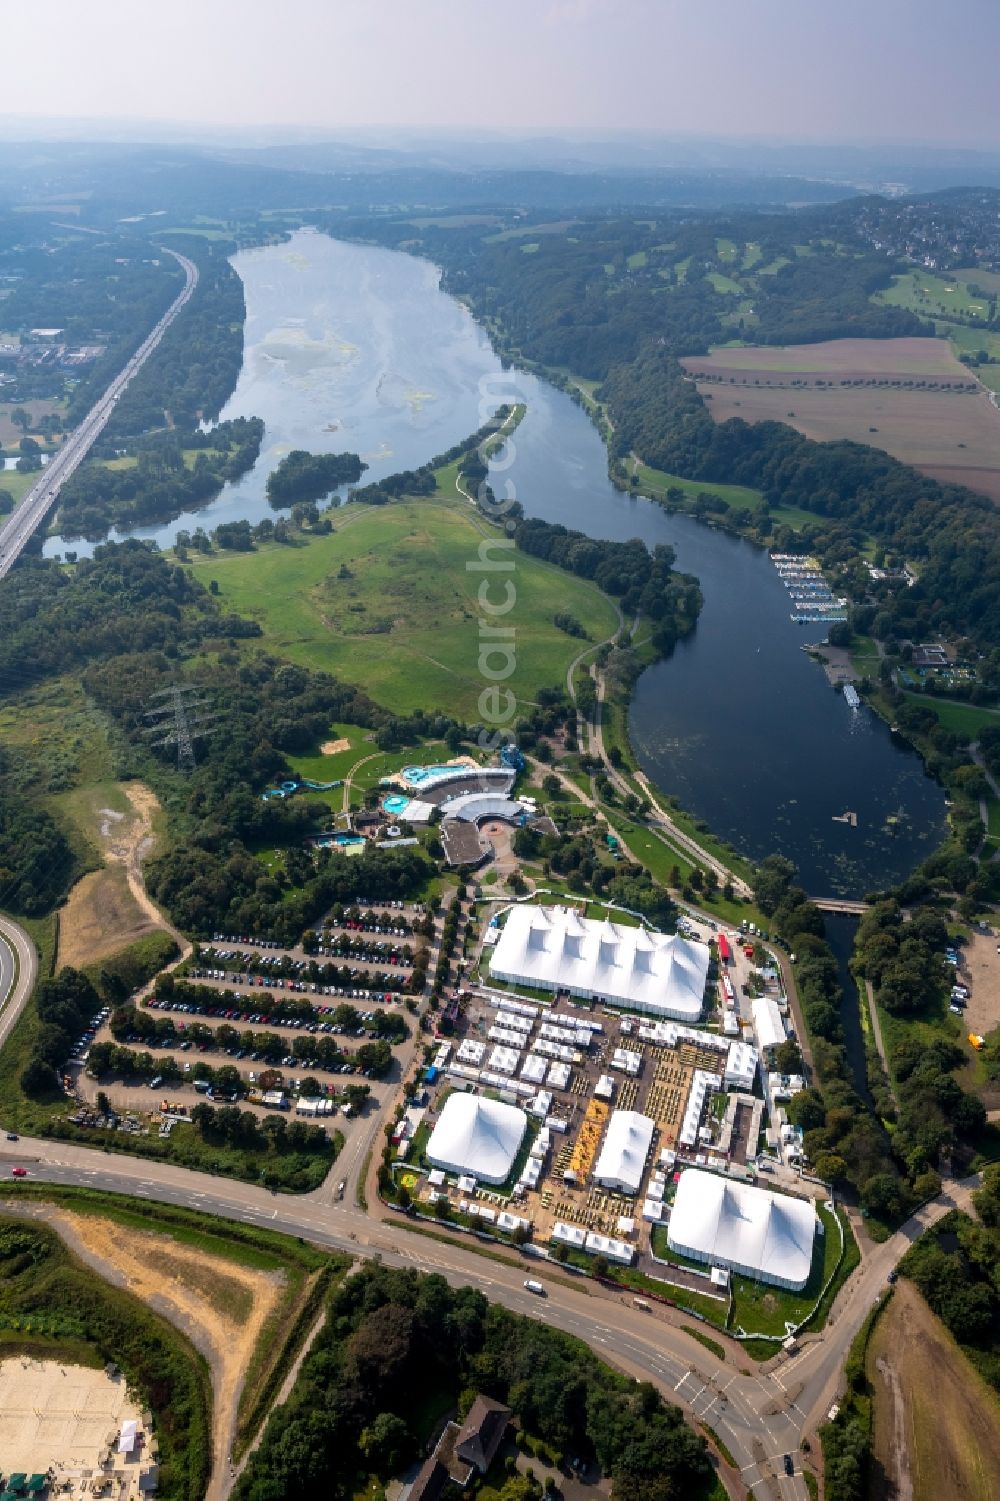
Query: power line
{"points": [[178, 720]]}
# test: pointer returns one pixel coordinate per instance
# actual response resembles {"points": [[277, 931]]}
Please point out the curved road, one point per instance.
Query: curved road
{"points": [[18, 972], [42, 496], [761, 1413]]}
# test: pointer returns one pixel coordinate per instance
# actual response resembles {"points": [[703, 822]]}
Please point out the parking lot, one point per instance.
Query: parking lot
{"points": [[249, 1016]]}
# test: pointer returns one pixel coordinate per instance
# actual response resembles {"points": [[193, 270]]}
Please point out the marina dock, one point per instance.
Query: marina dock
{"points": [[812, 597]]}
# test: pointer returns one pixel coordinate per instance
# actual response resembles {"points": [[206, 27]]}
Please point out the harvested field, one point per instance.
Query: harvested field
{"points": [[100, 918], [948, 431], [844, 359], [937, 1423]]}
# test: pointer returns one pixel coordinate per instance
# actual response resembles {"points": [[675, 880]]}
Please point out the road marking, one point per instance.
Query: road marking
{"points": [[682, 1381]]}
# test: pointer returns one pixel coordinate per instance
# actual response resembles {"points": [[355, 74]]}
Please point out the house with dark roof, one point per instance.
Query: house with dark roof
{"points": [[462, 1449], [481, 1434]]}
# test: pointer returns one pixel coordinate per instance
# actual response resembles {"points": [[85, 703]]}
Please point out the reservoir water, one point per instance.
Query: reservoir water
{"points": [[355, 347]]}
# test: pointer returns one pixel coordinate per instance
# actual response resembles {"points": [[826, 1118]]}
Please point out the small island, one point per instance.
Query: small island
{"points": [[312, 476]]}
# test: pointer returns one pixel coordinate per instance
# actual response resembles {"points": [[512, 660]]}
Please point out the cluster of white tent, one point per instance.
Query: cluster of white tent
{"points": [[555, 948]]}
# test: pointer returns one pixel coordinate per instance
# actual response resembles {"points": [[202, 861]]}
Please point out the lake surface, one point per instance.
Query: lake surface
{"points": [[355, 347]]}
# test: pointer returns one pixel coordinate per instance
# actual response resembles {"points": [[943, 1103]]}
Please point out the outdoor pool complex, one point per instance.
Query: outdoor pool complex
{"points": [[430, 776]]}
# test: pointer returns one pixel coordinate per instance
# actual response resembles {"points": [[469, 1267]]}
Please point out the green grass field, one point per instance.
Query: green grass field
{"points": [[933, 296], [16, 484], [656, 482], [390, 601], [725, 284], [965, 341], [961, 719]]}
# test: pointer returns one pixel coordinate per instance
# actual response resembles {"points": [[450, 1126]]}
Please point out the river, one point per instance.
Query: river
{"points": [[355, 347]]}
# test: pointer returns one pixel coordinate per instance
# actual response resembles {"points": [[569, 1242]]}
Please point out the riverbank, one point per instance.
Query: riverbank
{"points": [[356, 347]]}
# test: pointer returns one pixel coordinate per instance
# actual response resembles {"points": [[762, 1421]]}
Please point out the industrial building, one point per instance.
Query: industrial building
{"points": [[556, 949], [622, 1161], [477, 1136], [750, 1230]]}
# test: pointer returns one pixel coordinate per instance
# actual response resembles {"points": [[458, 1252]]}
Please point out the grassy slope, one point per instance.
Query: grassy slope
{"points": [[409, 576], [950, 1418]]}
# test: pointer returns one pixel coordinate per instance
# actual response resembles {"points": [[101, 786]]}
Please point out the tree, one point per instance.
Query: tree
{"points": [[21, 418], [39, 1079], [385, 1442], [831, 1167]]}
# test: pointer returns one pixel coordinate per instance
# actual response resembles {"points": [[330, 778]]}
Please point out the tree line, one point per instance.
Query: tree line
{"points": [[397, 1344]]}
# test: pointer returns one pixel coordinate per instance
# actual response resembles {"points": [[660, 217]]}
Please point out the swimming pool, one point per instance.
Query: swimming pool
{"points": [[423, 776], [395, 804]]}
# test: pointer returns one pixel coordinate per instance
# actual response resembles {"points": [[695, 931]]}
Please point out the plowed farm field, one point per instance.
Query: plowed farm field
{"points": [[911, 397]]}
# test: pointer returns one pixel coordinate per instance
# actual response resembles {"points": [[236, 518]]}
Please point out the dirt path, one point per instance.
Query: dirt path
{"points": [[937, 1424], [221, 1306], [109, 909]]}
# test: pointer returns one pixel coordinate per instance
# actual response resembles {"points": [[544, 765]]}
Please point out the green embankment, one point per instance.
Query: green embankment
{"points": [[53, 1306], [396, 600]]}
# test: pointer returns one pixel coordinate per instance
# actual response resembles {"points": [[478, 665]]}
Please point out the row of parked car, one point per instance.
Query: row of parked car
{"points": [[82, 1046], [346, 992]]}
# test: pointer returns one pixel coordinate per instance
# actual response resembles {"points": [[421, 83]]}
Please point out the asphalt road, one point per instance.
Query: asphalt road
{"points": [[43, 495], [761, 1413], [18, 963]]}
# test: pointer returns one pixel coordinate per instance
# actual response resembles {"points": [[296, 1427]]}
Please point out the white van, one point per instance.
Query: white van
{"points": [[534, 1287]]}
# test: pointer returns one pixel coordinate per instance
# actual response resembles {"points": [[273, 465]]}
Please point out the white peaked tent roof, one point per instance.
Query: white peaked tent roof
{"points": [[739, 1226], [626, 1147], [477, 1136], [555, 947]]}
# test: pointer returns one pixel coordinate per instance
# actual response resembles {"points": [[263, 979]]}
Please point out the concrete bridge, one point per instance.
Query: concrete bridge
{"points": [[839, 904]]}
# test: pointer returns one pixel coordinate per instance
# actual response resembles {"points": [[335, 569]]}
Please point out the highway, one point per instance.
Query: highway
{"points": [[18, 963], [761, 1413], [22, 525]]}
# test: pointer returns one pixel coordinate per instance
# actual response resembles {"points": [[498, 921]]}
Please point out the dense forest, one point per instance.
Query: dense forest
{"points": [[303, 476], [643, 582], [195, 369], [621, 300], [843, 1121], [171, 473], [398, 1346], [36, 862]]}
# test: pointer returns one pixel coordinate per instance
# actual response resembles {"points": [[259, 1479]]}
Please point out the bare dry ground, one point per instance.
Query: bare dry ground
{"points": [[108, 909], [937, 1423], [951, 435], [907, 359], [980, 970], [220, 1305]]}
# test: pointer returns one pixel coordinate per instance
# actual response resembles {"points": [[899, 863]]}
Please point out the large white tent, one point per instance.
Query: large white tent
{"points": [[477, 1136], [556, 949], [750, 1230], [626, 1146]]}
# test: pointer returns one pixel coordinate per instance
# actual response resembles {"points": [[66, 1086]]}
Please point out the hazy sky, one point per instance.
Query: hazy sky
{"points": [[793, 69]]}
